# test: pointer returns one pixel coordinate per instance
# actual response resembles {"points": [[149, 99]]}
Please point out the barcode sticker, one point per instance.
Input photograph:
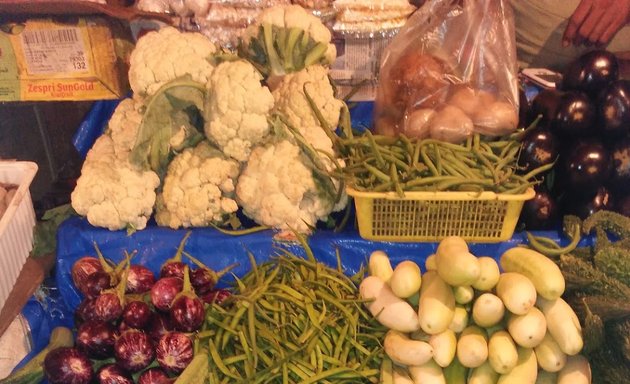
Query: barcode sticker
{"points": [[50, 51]]}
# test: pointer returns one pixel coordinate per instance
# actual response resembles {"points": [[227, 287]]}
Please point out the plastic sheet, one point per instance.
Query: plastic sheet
{"points": [[45, 311], [156, 244]]}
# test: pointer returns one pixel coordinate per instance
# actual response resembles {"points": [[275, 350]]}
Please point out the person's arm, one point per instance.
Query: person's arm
{"points": [[595, 22]]}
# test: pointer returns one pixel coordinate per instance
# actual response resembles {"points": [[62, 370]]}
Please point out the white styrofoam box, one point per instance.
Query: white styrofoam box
{"points": [[16, 225]]}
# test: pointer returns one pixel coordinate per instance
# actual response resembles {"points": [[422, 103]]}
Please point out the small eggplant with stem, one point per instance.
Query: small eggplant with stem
{"points": [[204, 279], [110, 304], [134, 350], [174, 267], [174, 352], [187, 311], [137, 314]]}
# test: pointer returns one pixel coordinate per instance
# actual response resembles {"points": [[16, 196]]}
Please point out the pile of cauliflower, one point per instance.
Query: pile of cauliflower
{"points": [[250, 151]]}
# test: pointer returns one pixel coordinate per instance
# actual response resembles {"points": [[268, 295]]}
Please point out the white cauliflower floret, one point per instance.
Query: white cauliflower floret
{"points": [[111, 192], [291, 102], [164, 55], [294, 16], [277, 189], [198, 188], [123, 126], [236, 109]]}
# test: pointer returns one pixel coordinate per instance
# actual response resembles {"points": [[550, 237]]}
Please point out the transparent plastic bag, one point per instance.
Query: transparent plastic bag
{"points": [[451, 71]]}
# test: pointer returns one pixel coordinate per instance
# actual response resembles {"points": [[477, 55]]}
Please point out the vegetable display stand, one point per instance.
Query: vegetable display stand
{"points": [[430, 216]]}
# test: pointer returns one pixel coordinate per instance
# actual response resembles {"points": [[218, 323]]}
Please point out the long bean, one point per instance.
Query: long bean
{"points": [[433, 165], [305, 324]]}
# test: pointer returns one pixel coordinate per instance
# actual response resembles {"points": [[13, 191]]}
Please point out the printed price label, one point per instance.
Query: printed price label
{"points": [[50, 51]]}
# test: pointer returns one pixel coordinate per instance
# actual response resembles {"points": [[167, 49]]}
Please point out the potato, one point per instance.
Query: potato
{"points": [[417, 123], [451, 124]]}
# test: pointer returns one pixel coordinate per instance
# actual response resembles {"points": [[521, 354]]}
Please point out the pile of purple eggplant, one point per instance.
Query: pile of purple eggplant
{"points": [[132, 327], [585, 128]]}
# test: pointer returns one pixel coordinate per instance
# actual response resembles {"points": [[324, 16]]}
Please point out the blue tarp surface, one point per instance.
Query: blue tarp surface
{"points": [[76, 237], [154, 245]]}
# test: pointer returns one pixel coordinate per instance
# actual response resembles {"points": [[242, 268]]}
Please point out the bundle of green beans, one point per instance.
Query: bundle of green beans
{"points": [[293, 320], [376, 163]]}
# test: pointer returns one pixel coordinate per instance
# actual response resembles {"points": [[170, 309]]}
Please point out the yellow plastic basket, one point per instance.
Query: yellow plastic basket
{"points": [[485, 217]]}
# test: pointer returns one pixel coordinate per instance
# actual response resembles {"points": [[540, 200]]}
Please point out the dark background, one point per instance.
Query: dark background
{"points": [[42, 132]]}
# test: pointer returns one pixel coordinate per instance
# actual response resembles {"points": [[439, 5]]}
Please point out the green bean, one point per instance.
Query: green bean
{"points": [[535, 172], [466, 158], [545, 241], [383, 187], [233, 322], [326, 374], [345, 121], [499, 143], [521, 188], [456, 183], [307, 334], [476, 140], [251, 327], [416, 154], [377, 173], [375, 147], [222, 326], [340, 342], [508, 157], [438, 159], [406, 142], [396, 161], [484, 160], [427, 161], [218, 361], [293, 329], [318, 114], [249, 368], [394, 177], [508, 148], [299, 372], [538, 244], [429, 181], [240, 232], [456, 167], [452, 171]]}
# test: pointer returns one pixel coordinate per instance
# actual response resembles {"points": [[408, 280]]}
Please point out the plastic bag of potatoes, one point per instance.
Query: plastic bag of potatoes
{"points": [[451, 71]]}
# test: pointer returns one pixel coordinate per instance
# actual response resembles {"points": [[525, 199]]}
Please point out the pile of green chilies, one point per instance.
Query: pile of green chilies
{"points": [[376, 163], [293, 320]]}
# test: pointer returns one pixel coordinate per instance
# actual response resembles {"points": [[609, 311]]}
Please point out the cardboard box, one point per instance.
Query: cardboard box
{"points": [[72, 58]]}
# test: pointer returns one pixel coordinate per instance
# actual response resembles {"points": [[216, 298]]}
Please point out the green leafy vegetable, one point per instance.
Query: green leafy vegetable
{"points": [[172, 122], [277, 50], [45, 231]]}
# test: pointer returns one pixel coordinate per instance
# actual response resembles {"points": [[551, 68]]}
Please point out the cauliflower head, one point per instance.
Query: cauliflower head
{"points": [[167, 54], [123, 126], [236, 108], [111, 192], [277, 189], [291, 102], [198, 188]]}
